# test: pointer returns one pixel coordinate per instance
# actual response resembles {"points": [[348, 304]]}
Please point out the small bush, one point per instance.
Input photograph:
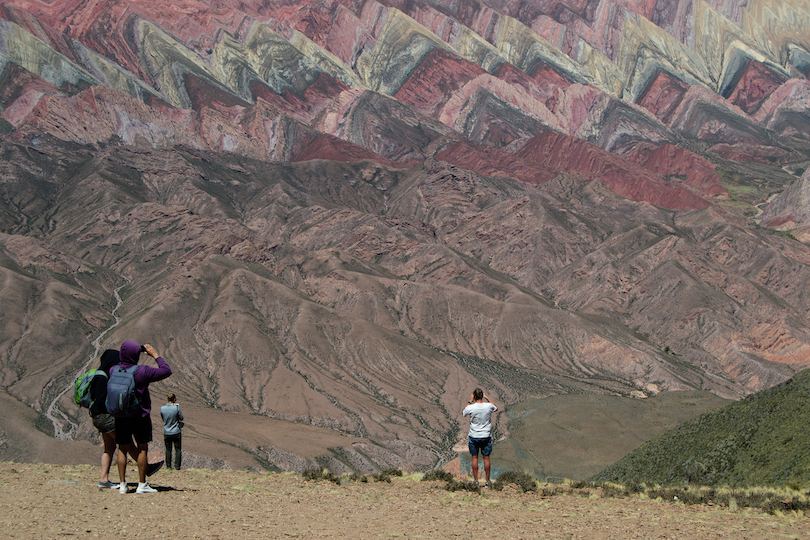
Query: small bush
{"points": [[614, 490], [582, 484], [392, 472], [382, 477], [785, 505], [356, 477], [552, 491], [438, 475], [523, 481], [464, 485], [635, 487], [315, 474]]}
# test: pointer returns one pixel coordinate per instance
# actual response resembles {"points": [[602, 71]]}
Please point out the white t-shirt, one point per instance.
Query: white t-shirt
{"points": [[480, 419]]}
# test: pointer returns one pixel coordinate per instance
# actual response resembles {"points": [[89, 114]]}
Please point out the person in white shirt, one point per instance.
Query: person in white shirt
{"points": [[480, 409]]}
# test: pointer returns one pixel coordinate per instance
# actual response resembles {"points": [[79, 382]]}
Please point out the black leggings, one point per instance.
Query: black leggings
{"points": [[177, 441]]}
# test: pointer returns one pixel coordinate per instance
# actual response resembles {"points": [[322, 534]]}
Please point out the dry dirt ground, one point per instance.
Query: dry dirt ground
{"points": [[40, 501]]}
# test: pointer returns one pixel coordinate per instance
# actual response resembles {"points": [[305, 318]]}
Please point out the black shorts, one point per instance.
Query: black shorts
{"points": [[139, 428]]}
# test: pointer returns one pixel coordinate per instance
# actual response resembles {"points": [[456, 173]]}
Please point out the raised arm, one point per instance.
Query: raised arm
{"points": [[155, 374], [492, 402], [469, 402]]}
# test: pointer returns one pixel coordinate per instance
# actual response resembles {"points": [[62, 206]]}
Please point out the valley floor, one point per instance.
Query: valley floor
{"points": [[47, 501]]}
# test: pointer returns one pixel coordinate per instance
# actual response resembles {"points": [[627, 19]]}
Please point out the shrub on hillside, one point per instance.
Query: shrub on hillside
{"points": [[382, 477], [769, 500], [315, 474], [357, 477], [438, 475], [523, 481], [463, 485], [386, 474]]}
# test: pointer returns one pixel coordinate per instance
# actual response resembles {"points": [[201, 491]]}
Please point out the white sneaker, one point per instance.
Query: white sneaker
{"points": [[145, 488], [122, 488]]}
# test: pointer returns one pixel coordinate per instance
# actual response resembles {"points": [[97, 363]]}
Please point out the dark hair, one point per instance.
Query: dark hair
{"points": [[478, 394], [109, 358]]}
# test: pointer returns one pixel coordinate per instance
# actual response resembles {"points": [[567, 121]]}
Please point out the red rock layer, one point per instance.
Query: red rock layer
{"points": [[663, 95], [623, 177], [697, 171], [331, 148], [755, 83], [203, 93], [543, 74], [20, 90], [545, 87], [309, 103], [748, 153], [433, 82], [490, 161]]}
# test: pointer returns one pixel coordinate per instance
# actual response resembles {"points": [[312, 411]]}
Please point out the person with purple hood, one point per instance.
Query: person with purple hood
{"points": [[138, 427]]}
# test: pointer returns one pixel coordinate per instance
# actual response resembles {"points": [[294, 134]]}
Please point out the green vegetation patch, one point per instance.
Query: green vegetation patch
{"points": [[761, 440]]}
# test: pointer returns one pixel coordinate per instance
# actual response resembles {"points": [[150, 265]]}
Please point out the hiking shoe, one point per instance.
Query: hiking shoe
{"points": [[475, 484], [122, 488], [152, 468], [107, 485], [145, 488], [487, 485]]}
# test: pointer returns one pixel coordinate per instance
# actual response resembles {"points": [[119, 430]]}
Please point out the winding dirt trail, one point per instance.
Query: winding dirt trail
{"points": [[63, 427]]}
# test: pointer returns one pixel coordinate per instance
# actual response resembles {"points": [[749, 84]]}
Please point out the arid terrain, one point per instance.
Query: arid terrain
{"points": [[335, 218], [48, 502]]}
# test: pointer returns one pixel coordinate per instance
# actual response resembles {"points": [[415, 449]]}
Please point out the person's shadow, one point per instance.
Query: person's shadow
{"points": [[132, 486], [167, 488]]}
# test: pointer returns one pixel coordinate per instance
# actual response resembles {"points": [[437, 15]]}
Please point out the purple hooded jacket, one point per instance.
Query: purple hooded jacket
{"points": [[130, 351]]}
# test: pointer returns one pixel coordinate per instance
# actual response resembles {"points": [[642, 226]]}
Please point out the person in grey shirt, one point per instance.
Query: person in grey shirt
{"points": [[172, 436]]}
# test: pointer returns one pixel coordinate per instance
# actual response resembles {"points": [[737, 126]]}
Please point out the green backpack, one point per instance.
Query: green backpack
{"points": [[83, 386]]}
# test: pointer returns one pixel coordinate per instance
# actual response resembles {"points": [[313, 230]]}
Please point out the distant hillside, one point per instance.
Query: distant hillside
{"points": [[575, 436], [760, 440]]}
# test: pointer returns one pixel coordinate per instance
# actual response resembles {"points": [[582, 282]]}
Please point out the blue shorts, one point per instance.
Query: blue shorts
{"points": [[484, 445]]}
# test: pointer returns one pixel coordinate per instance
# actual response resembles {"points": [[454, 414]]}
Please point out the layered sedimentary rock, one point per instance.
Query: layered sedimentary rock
{"points": [[343, 215], [791, 209]]}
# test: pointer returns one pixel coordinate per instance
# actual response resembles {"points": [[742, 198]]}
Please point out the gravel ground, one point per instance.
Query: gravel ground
{"points": [[40, 501]]}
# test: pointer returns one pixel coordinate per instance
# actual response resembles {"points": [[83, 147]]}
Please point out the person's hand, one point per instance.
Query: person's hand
{"points": [[150, 350]]}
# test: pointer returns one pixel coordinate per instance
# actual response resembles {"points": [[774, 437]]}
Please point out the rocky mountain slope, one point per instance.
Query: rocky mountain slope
{"points": [[345, 215]]}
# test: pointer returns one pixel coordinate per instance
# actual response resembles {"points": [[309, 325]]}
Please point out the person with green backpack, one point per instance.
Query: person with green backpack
{"points": [[129, 402], [94, 398], [91, 392]]}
